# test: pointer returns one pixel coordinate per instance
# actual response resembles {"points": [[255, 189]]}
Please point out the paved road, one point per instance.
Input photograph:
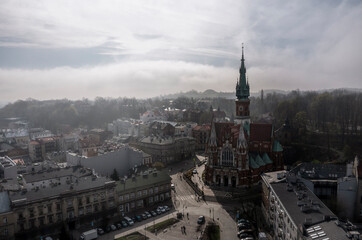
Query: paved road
{"points": [[185, 201]]}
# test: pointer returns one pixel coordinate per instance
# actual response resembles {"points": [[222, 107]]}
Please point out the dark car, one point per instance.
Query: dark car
{"points": [[148, 214], [138, 218], [242, 220], [179, 215], [144, 216], [124, 223], [153, 213], [201, 220], [247, 231], [243, 235], [158, 211], [100, 231], [119, 225], [134, 218], [108, 228]]}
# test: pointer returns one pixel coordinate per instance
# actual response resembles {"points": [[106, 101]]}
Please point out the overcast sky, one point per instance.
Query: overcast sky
{"points": [[75, 49]]}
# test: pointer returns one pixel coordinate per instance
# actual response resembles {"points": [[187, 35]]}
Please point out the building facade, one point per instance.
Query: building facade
{"points": [[238, 152], [167, 149]]}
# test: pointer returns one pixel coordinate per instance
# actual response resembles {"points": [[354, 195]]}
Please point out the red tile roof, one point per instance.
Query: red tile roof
{"points": [[202, 128], [260, 132]]}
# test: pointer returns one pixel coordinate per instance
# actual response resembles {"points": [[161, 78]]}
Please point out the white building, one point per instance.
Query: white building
{"points": [[294, 212], [121, 159], [8, 167], [152, 115]]}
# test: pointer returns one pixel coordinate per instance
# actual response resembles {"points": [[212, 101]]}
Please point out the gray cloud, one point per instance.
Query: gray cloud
{"points": [[172, 46]]}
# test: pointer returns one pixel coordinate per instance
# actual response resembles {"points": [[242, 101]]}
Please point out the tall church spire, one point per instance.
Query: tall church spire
{"points": [[242, 87]]}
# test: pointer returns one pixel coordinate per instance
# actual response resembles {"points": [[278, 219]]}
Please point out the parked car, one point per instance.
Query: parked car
{"points": [[247, 238], [108, 228], [166, 208], [144, 216], [124, 223], [179, 215], [148, 214], [194, 171], [130, 222], [243, 235], [113, 227], [172, 186], [138, 218], [153, 213], [158, 211], [162, 209], [119, 225], [242, 220], [100, 231], [201, 220], [247, 231]]}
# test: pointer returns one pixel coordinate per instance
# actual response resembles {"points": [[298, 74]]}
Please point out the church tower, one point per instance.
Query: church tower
{"points": [[242, 101]]}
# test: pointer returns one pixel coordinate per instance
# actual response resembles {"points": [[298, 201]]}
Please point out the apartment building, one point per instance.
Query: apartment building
{"points": [[149, 188], [294, 212]]}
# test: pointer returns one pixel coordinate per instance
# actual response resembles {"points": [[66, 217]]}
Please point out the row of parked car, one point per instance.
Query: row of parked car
{"points": [[129, 221], [245, 229]]}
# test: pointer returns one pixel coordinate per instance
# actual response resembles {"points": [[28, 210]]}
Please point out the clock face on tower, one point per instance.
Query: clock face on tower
{"points": [[241, 108]]}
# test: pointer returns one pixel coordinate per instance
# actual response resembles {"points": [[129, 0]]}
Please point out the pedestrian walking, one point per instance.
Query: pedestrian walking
{"points": [[182, 230]]}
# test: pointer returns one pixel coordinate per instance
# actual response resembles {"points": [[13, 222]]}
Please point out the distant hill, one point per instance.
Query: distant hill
{"points": [[210, 93]]}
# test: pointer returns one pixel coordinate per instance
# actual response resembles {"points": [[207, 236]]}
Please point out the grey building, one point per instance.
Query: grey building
{"points": [[294, 212]]}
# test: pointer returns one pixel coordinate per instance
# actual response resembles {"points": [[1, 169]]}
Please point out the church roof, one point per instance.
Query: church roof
{"points": [[261, 132], [252, 162], [266, 159], [259, 160], [277, 147]]}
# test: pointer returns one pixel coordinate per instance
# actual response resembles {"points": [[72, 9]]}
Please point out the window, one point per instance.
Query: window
{"points": [[70, 203], [167, 195], [88, 200], [80, 211], [132, 195], [80, 202], [145, 192], [150, 191], [161, 188], [89, 209], [5, 220], [139, 203], [139, 194], [110, 193], [95, 198], [150, 200], [126, 197], [50, 218], [121, 208], [40, 210], [41, 221], [111, 203], [156, 198], [59, 217], [227, 157], [103, 196], [156, 189], [58, 206], [121, 198], [96, 208], [6, 232], [49, 208], [161, 197], [132, 204]]}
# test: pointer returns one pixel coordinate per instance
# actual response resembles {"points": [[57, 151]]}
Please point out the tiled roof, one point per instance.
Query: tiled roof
{"points": [[266, 159], [260, 132], [277, 147], [259, 161], [252, 163], [142, 181]]}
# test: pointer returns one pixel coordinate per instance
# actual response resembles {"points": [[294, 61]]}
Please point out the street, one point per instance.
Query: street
{"points": [[185, 201]]}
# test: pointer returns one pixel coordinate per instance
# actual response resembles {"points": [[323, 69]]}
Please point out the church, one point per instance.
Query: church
{"points": [[238, 152]]}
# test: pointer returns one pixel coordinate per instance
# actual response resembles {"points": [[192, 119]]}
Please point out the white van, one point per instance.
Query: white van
{"points": [[129, 221]]}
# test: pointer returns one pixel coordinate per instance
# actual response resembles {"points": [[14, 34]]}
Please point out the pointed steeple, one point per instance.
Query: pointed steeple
{"points": [[242, 87], [213, 135]]}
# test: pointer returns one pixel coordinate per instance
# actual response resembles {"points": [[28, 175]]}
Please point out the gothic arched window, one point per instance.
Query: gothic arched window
{"points": [[227, 157]]}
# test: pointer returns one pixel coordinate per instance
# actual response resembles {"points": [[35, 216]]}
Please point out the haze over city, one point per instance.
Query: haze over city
{"points": [[67, 49]]}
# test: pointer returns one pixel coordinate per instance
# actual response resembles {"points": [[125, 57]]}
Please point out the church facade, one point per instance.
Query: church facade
{"points": [[238, 152]]}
